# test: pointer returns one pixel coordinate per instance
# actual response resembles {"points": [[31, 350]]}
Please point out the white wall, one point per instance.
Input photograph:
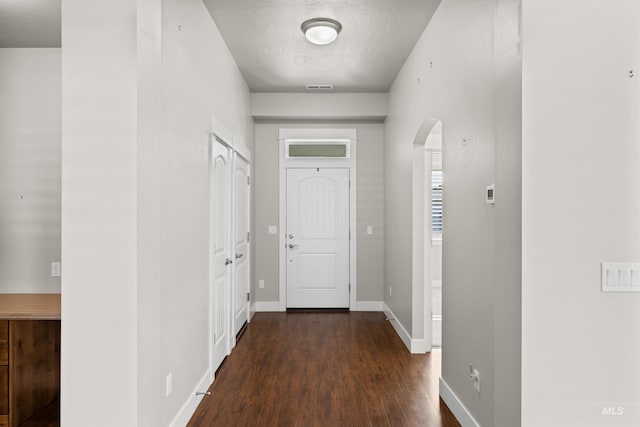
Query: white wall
{"points": [[30, 138], [141, 82], [199, 79], [465, 70], [369, 210], [319, 106], [99, 218], [150, 238], [581, 193]]}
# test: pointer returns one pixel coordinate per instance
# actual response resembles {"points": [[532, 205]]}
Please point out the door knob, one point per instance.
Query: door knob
{"points": [[227, 261], [238, 256], [291, 236], [292, 246]]}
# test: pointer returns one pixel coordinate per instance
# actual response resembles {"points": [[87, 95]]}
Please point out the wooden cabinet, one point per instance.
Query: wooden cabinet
{"points": [[4, 373], [29, 360], [4, 342]]}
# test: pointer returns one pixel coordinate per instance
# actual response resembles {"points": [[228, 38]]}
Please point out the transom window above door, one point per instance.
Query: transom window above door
{"points": [[320, 148]]}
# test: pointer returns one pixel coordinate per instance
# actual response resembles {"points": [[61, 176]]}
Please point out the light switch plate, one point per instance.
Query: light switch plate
{"points": [[370, 230], [272, 229], [169, 385], [620, 277], [55, 269]]}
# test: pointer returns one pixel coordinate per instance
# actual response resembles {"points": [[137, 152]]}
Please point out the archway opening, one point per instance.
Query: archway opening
{"points": [[427, 234], [434, 232]]}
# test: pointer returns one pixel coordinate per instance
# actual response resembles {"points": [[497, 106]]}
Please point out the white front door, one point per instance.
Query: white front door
{"points": [[220, 252], [317, 243], [240, 243]]}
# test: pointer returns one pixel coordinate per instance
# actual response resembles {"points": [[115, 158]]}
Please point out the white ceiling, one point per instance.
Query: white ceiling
{"points": [[30, 23], [265, 39]]}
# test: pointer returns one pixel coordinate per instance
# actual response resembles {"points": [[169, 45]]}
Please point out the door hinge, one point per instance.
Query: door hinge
{"points": [[349, 287], [349, 234], [248, 236], [248, 296], [248, 180]]}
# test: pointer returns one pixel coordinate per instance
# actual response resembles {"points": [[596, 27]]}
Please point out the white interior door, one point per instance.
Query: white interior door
{"points": [[240, 243], [317, 243], [220, 253]]}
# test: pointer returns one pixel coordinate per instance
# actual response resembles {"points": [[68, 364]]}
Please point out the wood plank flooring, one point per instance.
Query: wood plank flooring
{"points": [[324, 369]]}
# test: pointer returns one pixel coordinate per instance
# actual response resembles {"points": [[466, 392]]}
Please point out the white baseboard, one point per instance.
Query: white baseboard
{"points": [[415, 346], [190, 406], [420, 346], [267, 306], [369, 306], [461, 413], [400, 330]]}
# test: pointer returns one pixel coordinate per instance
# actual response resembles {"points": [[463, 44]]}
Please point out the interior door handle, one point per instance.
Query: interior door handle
{"points": [[292, 246], [227, 261], [238, 256]]}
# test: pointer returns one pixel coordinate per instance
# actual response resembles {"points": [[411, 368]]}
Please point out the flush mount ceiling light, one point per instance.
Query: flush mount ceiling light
{"points": [[321, 31]]}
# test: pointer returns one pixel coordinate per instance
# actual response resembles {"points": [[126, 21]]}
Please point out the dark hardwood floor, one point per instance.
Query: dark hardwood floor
{"points": [[324, 369]]}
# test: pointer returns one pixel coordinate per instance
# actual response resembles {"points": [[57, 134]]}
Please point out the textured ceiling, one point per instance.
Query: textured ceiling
{"points": [[29, 23], [265, 39]]}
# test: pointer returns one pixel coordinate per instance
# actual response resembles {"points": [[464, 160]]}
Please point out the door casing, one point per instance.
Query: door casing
{"points": [[220, 135], [318, 136]]}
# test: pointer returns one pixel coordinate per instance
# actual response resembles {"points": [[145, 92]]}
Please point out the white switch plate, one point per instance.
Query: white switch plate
{"points": [[369, 230], [272, 229], [169, 385], [261, 284], [55, 269], [620, 277], [475, 377]]}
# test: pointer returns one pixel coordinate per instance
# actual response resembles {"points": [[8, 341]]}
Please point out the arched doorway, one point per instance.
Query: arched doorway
{"points": [[427, 236]]}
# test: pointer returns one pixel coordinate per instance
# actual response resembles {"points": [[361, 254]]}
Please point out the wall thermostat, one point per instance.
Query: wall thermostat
{"points": [[491, 194]]}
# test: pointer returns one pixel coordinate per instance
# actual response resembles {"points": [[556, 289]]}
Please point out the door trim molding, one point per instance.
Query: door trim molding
{"points": [[220, 134], [349, 163]]}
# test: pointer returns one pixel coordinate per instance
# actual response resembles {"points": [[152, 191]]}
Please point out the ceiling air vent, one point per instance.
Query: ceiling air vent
{"points": [[319, 87]]}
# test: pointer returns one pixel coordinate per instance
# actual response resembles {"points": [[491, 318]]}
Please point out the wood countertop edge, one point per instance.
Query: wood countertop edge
{"points": [[30, 307], [29, 316]]}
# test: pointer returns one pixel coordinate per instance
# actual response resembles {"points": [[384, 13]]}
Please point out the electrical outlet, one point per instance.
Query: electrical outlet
{"points": [[261, 284], [169, 384], [390, 291]]}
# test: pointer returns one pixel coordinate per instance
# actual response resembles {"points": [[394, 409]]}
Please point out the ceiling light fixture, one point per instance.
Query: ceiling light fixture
{"points": [[321, 31]]}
